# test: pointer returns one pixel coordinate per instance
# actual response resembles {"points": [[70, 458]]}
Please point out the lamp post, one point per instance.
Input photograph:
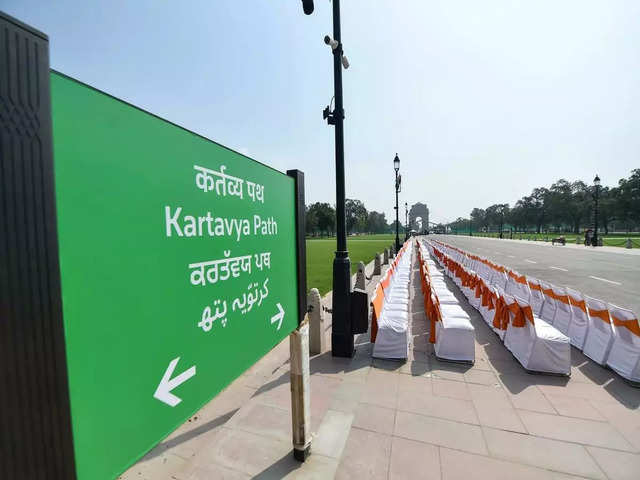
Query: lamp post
{"points": [[470, 234], [396, 167], [406, 221], [596, 183], [341, 331]]}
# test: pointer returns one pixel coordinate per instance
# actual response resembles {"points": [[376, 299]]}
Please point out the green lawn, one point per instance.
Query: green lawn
{"points": [[611, 240], [320, 254]]}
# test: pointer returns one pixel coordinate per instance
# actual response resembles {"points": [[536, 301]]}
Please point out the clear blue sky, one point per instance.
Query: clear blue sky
{"points": [[482, 100]]}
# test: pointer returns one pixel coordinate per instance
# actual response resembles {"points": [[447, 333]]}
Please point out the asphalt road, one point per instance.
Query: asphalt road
{"points": [[617, 273]]}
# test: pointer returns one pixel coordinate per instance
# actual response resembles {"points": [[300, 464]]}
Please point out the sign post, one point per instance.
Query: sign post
{"points": [[180, 265]]}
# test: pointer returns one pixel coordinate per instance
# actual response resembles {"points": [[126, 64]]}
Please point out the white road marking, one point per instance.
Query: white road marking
{"points": [[604, 280], [561, 269], [498, 253], [512, 256], [530, 261]]}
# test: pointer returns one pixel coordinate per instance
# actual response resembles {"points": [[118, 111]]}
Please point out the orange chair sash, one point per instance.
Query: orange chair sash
{"points": [[578, 303], [631, 325], [601, 314]]}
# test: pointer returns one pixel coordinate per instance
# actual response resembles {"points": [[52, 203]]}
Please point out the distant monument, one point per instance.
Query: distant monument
{"points": [[419, 213]]}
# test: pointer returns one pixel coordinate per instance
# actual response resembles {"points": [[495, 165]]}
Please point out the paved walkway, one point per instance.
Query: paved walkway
{"points": [[571, 245], [419, 419]]}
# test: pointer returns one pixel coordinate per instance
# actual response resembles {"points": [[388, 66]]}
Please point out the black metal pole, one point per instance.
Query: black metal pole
{"points": [[341, 332], [470, 234], [595, 219], [406, 223], [397, 230]]}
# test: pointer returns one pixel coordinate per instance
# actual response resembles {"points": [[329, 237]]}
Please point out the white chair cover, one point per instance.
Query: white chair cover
{"points": [[624, 357], [563, 316], [548, 311], [599, 339], [579, 321]]}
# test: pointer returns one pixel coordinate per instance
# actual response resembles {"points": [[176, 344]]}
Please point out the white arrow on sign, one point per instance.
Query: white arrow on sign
{"points": [[278, 316], [163, 392]]}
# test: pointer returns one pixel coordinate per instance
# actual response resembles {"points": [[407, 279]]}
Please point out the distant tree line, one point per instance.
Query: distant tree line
{"points": [[563, 207], [321, 219]]}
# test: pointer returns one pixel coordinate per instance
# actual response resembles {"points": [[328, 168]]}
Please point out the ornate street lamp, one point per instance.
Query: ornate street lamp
{"points": [[596, 183], [396, 167]]}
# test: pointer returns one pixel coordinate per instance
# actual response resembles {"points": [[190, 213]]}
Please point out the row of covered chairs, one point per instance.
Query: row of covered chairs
{"points": [[606, 333], [390, 312], [450, 331], [536, 344]]}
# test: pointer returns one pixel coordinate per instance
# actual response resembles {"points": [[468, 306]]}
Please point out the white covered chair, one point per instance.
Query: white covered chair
{"points": [[391, 337], [548, 311], [455, 336], [624, 357], [498, 279], [580, 319], [599, 339], [537, 297], [564, 314], [538, 346], [517, 286]]}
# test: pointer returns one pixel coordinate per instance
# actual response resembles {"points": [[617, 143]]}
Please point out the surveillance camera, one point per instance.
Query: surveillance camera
{"points": [[345, 62], [331, 42], [307, 6]]}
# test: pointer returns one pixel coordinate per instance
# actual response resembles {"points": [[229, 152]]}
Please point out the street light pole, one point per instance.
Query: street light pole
{"points": [[396, 167], [470, 234], [341, 331], [596, 182], [406, 221]]}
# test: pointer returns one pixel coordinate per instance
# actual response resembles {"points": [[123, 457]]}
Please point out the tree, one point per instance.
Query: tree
{"points": [[311, 221], [539, 202], [478, 218], [356, 215], [324, 216], [376, 223], [495, 215]]}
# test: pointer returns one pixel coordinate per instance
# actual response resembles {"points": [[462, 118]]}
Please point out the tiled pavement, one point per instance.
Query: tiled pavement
{"points": [[420, 419]]}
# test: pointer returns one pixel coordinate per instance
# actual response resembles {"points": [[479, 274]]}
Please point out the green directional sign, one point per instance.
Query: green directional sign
{"points": [[178, 263]]}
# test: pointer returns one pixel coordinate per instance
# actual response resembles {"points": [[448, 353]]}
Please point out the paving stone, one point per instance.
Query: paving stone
{"points": [[411, 460], [217, 472], [333, 433], [440, 432], [381, 388], [374, 418], [506, 366], [494, 408], [448, 371], [617, 465], [265, 420], [417, 384], [482, 363], [525, 395], [434, 406], [457, 465], [541, 452], [625, 420], [366, 455], [449, 388], [346, 397], [588, 391], [316, 467], [416, 368], [162, 467], [482, 377], [245, 452], [575, 407], [586, 432]]}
